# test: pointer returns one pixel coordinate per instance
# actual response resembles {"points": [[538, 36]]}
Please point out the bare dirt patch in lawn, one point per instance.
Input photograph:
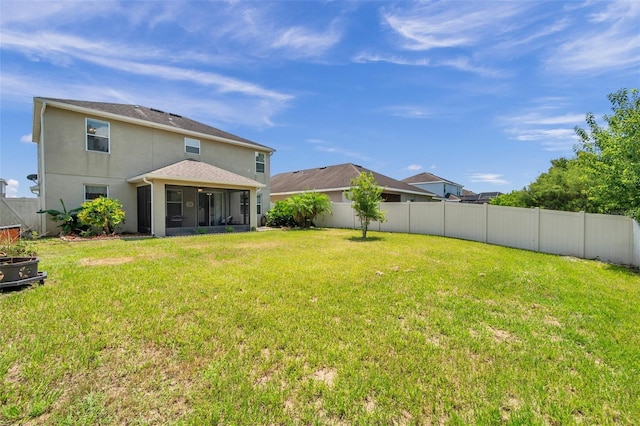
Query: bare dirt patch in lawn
{"points": [[109, 261], [325, 375]]}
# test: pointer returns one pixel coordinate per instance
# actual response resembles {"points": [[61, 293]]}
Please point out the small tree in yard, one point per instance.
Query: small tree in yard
{"points": [[366, 196], [102, 213]]}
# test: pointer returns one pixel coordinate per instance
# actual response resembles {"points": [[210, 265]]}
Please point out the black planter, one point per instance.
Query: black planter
{"points": [[18, 269]]}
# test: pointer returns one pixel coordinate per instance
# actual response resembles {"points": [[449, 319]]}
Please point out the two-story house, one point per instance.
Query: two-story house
{"points": [[446, 189], [173, 175]]}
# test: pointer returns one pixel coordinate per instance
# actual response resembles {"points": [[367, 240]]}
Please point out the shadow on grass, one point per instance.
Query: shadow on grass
{"points": [[625, 270], [365, 240]]}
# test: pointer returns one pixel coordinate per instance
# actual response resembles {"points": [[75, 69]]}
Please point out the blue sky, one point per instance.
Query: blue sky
{"points": [[481, 93]]}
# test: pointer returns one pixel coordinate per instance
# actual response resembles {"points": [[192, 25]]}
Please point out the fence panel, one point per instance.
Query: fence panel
{"points": [[513, 227], [466, 221], [426, 218], [342, 216], [562, 233], [397, 215], [609, 238]]}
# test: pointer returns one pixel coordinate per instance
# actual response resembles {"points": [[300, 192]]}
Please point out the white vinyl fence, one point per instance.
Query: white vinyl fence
{"points": [[614, 239]]}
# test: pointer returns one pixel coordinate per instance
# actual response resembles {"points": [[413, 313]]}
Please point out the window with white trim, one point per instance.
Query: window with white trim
{"points": [[260, 162], [259, 203], [97, 135], [191, 146], [91, 192]]}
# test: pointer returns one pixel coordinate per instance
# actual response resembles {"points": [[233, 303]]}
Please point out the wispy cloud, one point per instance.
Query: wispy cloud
{"points": [[611, 40], [301, 42], [27, 138], [459, 63], [438, 25], [543, 124], [492, 178], [62, 48], [323, 146], [409, 111], [414, 167]]}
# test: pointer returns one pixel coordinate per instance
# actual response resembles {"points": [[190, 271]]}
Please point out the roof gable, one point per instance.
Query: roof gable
{"points": [[142, 114], [335, 178], [426, 177], [197, 172]]}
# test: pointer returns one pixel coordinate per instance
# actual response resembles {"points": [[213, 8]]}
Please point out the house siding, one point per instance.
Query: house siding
{"points": [[134, 150]]}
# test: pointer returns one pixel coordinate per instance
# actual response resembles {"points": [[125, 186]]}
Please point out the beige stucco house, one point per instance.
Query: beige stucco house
{"points": [[173, 175]]}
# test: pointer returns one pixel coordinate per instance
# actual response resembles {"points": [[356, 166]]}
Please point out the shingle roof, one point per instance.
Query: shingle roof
{"points": [[483, 197], [155, 116], [336, 177], [426, 177], [198, 172]]}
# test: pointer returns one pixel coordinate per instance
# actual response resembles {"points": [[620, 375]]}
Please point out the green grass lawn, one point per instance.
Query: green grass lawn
{"points": [[318, 327]]}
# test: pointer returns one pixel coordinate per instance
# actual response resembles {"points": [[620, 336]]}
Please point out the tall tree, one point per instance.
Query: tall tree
{"points": [[562, 187], [366, 196], [611, 155]]}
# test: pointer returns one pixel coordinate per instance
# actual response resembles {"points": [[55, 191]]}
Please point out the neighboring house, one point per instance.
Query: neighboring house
{"points": [[481, 198], [335, 180], [173, 175], [444, 188]]}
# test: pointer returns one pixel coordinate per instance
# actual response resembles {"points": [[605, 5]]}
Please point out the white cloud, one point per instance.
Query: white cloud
{"points": [[27, 138], [322, 146], [12, 188], [438, 25], [540, 124], [492, 178], [414, 167], [460, 63], [409, 111], [303, 42], [610, 42]]}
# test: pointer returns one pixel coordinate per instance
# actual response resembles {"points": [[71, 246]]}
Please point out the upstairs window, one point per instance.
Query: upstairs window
{"points": [[91, 192], [97, 135], [192, 146], [259, 162]]}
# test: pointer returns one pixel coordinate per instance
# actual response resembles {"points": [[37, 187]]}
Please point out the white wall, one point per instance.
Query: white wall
{"points": [[20, 211], [614, 239]]}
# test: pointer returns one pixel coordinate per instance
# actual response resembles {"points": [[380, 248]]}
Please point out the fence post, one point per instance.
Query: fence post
{"points": [[581, 237], [536, 231], [486, 222]]}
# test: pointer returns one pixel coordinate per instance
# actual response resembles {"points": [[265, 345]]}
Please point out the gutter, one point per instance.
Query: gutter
{"points": [[41, 175]]}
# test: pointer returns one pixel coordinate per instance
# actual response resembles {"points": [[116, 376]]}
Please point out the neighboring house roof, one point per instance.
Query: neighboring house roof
{"points": [[334, 178], [193, 171], [481, 198], [146, 116], [426, 177]]}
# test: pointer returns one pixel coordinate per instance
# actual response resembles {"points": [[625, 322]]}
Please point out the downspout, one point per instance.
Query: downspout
{"points": [[153, 228], [41, 174]]}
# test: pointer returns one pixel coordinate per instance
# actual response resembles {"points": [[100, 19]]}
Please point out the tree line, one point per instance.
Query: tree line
{"points": [[604, 174]]}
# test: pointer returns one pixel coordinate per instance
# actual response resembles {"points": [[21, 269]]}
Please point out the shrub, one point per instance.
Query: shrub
{"points": [[70, 222], [306, 206], [103, 214], [280, 215]]}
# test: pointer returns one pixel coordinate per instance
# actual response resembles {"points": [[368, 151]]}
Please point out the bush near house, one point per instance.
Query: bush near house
{"points": [[102, 214], [299, 210]]}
